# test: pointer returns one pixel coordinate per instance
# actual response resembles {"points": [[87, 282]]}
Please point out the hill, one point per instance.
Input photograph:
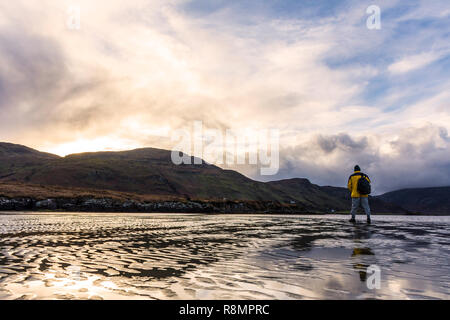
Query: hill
{"points": [[434, 200], [149, 173], [140, 171]]}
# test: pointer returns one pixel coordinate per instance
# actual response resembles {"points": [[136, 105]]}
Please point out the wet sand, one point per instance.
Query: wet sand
{"points": [[194, 256]]}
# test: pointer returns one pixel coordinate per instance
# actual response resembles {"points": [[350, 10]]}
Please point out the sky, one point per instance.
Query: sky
{"points": [[134, 71]]}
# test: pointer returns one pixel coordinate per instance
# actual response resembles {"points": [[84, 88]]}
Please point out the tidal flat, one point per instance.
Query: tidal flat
{"points": [[198, 256]]}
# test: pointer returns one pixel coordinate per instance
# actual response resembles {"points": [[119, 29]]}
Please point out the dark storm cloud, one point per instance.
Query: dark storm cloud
{"points": [[37, 89], [341, 141], [32, 68], [34, 79], [421, 160], [417, 158]]}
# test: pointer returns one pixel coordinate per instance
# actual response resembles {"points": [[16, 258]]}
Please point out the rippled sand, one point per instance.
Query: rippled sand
{"points": [[174, 256]]}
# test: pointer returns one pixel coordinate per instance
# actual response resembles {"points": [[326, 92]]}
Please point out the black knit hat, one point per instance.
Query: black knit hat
{"points": [[357, 168]]}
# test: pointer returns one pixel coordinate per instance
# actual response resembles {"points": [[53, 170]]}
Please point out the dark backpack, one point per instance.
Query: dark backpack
{"points": [[363, 185]]}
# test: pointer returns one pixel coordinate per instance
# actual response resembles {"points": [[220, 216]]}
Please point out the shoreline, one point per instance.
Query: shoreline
{"points": [[111, 205], [222, 213], [107, 204]]}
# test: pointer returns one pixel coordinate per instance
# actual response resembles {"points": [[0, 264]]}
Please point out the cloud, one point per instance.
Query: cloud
{"points": [[341, 141], [413, 62], [414, 157], [93, 81], [423, 10], [138, 70]]}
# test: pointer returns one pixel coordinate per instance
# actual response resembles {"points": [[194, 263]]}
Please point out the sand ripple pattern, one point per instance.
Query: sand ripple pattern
{"points": [[188, 256]]}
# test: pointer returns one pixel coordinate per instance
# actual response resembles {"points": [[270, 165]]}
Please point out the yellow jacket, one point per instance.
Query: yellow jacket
{"points": [[353, 184]]}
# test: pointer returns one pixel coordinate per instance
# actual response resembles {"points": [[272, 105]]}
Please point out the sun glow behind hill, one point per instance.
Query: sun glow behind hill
{"points": [[92, 145]]}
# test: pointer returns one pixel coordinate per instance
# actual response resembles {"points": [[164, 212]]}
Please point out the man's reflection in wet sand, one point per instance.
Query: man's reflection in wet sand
{"points": [[362, 255]]}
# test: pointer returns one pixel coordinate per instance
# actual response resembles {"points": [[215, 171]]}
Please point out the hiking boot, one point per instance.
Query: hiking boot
{"points": [[369, 221], [352, 220]]}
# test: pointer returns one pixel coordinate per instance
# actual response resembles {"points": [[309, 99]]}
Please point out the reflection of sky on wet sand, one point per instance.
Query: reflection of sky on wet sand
{"points": [[162, 256]]}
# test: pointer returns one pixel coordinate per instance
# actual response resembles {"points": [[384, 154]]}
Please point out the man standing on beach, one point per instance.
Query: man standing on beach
{"points": [[359, 197]]}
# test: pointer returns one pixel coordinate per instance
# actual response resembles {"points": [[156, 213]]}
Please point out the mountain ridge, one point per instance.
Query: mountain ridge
{"points": [[431, 200], [149, 173]]}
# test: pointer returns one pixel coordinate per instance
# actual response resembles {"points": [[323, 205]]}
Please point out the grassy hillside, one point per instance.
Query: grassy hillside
{"points": [[142, 171], [423, 200], [303, 191], [150, 173]]}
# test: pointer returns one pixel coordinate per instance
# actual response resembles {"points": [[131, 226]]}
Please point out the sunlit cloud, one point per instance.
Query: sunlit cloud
{"points": [[137, 70], [413, 62]]}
